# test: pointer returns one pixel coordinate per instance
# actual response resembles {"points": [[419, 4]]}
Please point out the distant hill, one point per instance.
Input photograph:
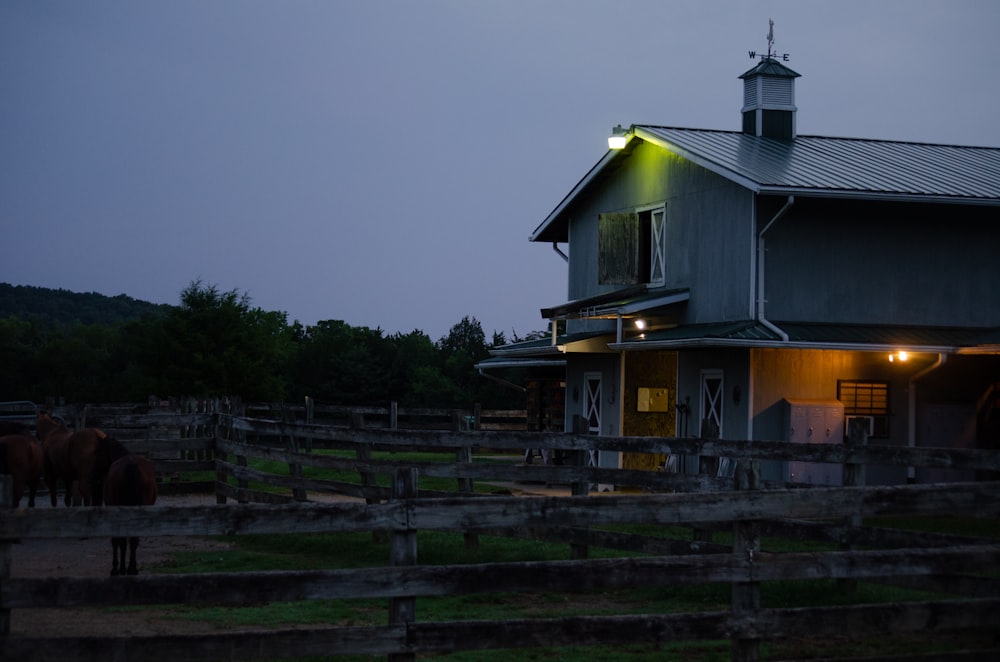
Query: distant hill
{"points": [[65, 309]]}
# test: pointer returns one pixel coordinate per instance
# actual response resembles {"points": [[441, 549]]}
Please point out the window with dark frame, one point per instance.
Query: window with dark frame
{"points": [[868, 400]]}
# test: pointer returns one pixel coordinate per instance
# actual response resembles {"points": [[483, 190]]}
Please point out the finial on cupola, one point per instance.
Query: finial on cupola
{"points": [[769, 94]]}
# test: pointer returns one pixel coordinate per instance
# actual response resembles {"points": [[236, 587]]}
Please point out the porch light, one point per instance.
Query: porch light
{"points": [[617, 139], [898, 356], [640, 324]]}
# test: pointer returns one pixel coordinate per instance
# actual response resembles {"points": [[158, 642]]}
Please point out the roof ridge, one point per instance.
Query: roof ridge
{"points": [[897, 141]]}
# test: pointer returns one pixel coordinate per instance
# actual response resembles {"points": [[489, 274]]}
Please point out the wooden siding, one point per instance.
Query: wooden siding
{"points": [[879, 263], [709, 233], [813, 375], [607, 365]]}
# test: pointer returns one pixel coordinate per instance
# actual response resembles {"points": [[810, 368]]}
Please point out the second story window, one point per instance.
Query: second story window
{"points": [[631, 247]]}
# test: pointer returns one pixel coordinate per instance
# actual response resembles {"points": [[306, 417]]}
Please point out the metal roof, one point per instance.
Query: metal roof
{"points": [[545, 346], [840, 166], [768, 66], [497, 363], [819, 166], [626, 301]]}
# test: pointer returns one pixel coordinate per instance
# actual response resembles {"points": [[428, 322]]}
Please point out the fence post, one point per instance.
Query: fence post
{"points": [[220, 474], [292, 446], [463, 455], [6, 549], [310, 418], [403, 552], [363, 453], [708, 465], [855, 475], [580, 488], [746, 546]]}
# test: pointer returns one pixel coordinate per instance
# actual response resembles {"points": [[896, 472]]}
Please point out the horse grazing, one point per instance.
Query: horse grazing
{"points": [[69, 457], [129, 480], [21, 458]]}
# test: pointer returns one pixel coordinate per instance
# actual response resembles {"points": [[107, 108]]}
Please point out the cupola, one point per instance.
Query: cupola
{"points": [[769, 96]]}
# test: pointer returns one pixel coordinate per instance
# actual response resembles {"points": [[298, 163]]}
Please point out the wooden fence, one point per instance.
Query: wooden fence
{"points": [[960, 571]]}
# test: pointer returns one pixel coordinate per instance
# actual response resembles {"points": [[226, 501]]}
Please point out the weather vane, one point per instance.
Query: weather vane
{"points": [[771, 54]]}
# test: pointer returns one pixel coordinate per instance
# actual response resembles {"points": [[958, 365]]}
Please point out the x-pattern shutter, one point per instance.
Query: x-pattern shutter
{"points": [[657, 268], [592, 408]]}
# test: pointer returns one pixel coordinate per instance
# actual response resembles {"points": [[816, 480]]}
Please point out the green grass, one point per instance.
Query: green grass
{"points": [[356, 550], [959, 526], [382, 479]]}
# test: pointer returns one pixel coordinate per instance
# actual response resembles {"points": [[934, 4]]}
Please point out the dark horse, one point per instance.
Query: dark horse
{"points": [[69, 457], [128, 480], [21, 458]]}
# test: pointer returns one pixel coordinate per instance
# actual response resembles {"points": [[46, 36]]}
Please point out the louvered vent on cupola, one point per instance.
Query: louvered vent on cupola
{"points": [[769, 100]]}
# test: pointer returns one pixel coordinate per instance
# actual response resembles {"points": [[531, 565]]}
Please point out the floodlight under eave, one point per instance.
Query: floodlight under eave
{"points": [[618, 138]]}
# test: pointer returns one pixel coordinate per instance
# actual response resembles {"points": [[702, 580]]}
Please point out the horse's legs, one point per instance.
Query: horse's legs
{"points": [[116, 567], [132, 567]]}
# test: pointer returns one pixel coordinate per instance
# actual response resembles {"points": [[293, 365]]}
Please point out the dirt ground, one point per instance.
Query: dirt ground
{"points": [[91, 557]]}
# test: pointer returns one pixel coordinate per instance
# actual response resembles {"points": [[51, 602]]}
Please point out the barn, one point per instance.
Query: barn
{"points": [[760, 284]]}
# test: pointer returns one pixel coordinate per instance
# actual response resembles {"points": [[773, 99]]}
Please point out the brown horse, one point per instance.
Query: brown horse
{"points": [[69, 457], [21, 458], [129, 480]]}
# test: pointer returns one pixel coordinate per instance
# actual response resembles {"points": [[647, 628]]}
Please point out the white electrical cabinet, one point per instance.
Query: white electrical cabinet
{"points": [[815, 422]]}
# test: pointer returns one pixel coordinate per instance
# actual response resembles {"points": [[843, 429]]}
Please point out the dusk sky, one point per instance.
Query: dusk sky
{"points": [[384, 162]]}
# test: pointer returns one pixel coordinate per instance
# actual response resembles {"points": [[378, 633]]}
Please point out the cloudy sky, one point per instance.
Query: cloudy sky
{"points": [[383, 162]]}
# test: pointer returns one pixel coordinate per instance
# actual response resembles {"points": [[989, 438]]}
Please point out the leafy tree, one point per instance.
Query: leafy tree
{"points": [[91, 348], [462, 348], [63, 309], [416, 379], [343, 364], [77, 364], [21, 343], [215, 343]]}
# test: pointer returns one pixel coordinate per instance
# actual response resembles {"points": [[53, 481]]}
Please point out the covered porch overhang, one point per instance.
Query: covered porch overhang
{"points": [[839, 337], [650, 309]]}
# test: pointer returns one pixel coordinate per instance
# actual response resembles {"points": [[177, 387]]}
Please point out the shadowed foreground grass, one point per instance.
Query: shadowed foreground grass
{"points": [[355, 550]]}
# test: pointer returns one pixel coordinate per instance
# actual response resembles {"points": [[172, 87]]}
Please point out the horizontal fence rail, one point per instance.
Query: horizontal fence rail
{"points": [[381, 493]]}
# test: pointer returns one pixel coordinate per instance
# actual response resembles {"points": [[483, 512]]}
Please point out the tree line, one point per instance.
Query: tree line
{"points": [[217, 343]]}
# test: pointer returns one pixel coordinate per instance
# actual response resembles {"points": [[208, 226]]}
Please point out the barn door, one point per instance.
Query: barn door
{"points": [[711, 403], [592, 408], [712, 390]]}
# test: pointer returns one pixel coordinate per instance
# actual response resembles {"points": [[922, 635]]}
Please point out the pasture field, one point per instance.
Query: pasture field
{"points": [[356, 550], [729, 575], [382, 479]]}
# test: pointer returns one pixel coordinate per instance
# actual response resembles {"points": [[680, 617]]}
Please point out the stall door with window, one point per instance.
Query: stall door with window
{"points": [[592, 408], [712, 399]]}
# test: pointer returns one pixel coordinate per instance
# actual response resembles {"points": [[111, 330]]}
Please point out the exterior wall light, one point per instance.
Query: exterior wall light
{"points": [[640, 324], [899, 356], [618, 138]]}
